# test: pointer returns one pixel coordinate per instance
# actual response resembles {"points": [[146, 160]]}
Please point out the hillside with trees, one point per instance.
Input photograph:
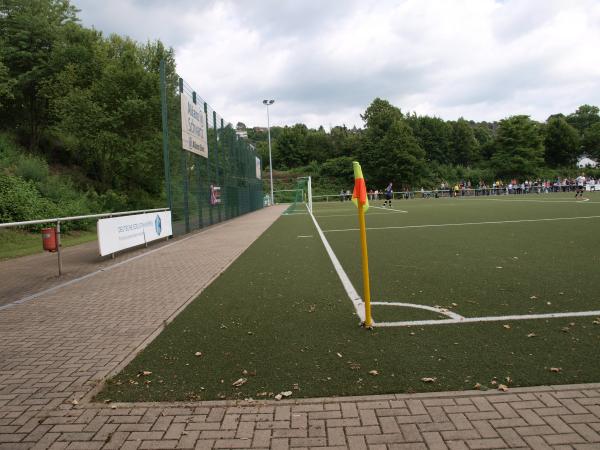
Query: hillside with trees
{"points": [[80, 123], [415, 151], [80, 128]]}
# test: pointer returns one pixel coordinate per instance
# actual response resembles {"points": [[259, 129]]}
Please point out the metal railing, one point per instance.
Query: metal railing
{"points": [[466, 192], [58, 220]]}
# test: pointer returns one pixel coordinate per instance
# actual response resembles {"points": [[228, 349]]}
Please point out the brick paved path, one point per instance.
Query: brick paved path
{"points": [[55, 349], [28, 275]]}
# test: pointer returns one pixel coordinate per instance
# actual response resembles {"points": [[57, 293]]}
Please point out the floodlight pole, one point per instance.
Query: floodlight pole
{"points": [[267, 103]]}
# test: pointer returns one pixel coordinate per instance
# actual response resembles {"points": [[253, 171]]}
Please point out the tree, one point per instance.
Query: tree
{"points": [[389, 150], [6, 83], [519, 150], [464, 147], [584, 118], [591, 141], [344, 142], [433, 135], [318, 146], [290, 150], [29, 30], [561, 143], [484, 135]]}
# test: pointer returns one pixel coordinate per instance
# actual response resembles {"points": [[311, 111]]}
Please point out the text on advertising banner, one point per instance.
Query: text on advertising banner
{"points": [[193, 127], [119, 233]]}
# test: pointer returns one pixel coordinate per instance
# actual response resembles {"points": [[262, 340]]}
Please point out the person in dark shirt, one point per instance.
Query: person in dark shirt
{"points": [[389, 193]]}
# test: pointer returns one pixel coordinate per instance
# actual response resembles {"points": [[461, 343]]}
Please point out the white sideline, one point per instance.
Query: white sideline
{"points": [[440, 225], [325, 216], [583, 200], [352, 294], [488, 319]]}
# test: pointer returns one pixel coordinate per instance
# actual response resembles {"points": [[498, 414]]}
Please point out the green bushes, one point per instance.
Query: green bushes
{"points": [[21, 201], [30, 191]]}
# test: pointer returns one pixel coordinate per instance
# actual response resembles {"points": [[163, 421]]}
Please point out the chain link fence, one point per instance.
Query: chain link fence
{"points": [[202, 191]]}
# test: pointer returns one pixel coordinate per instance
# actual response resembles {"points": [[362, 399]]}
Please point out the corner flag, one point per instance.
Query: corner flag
{"points": [[360, 199], [360, 188]]}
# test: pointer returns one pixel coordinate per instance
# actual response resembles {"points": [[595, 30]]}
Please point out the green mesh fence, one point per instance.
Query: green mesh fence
{"points": [[204, 191]]}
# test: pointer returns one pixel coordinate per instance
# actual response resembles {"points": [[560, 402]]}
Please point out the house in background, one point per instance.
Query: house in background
{"points": [[586, 162]]}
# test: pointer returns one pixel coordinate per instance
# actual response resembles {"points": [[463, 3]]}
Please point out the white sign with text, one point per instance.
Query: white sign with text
{"points": [[258, 168], [119, 233], [193, 127]]}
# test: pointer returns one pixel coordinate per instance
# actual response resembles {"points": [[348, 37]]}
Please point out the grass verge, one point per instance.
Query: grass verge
{"points": [[15, 243]]}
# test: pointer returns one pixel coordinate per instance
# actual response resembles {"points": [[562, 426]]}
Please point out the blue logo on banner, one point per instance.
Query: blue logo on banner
{"points": [[157, 225]]}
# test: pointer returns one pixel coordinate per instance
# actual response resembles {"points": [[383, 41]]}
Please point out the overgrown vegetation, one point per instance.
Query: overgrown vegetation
{"points": [[80, 115]]}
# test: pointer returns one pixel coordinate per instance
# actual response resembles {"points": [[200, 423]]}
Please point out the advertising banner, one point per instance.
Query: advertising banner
{"points": [[193, 127], [258, 175], [119, 233], [215, 195]]}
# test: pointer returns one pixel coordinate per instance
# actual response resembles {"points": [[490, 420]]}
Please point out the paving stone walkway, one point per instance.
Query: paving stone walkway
{"points": [[56, 349]]}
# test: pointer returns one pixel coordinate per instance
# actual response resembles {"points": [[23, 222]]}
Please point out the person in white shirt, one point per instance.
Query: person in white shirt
{"points": [[580, 186]]}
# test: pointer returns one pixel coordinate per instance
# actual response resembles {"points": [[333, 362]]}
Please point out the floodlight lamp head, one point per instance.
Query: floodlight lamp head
{"points": [[268, 102]]}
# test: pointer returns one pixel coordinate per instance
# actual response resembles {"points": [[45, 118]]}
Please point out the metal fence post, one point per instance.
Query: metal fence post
{"points": [[216, 158], [165, 129], [199, 190], [210, 210], [58, 248], [184, 173], [112, 255]]}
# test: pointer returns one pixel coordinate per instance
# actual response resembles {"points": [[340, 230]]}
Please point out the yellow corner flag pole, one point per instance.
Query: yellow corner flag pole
{"points": [[360, 199]]}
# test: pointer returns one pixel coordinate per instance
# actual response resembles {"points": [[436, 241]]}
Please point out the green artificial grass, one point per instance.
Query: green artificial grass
{"points": [[15, 243], [279, 318]]}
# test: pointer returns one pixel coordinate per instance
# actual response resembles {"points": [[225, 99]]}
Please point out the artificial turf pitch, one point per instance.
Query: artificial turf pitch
{"points": [[280, 318]]}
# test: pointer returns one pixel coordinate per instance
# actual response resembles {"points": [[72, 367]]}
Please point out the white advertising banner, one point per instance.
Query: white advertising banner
{"points": [[119, 233], [258, 171], [193, 127]]}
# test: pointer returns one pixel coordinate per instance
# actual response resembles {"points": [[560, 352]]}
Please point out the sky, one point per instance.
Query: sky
{"points": [[324, 61]]}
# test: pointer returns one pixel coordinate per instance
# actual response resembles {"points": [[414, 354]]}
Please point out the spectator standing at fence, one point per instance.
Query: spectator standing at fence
{"points": [[580, 185], [389, 193]]}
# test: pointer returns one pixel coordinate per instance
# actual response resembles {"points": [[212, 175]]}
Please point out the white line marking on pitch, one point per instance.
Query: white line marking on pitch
{"points": [[305, 236], [389, 209], [489, 319], [583, 200], [325, 216], [440, 225], [350, 291], [444, 311]]}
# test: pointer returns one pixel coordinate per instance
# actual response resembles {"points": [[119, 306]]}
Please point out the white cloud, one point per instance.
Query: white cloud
{"points": [[324, 62]]}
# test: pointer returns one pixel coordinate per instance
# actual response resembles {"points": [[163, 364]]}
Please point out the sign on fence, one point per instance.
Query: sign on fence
{"points": [[215, 195], [119, 233], [193, 127], [258, 171]]}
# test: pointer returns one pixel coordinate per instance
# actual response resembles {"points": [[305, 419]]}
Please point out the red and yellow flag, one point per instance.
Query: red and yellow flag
{"points": [[359, 196]]}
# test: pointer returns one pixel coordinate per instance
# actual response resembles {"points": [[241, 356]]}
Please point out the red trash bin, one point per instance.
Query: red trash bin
{"points": [[49, 239]]}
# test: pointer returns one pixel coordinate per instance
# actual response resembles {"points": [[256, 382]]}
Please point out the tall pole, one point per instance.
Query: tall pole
{"points": [[270, 102], [165, 128]]}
